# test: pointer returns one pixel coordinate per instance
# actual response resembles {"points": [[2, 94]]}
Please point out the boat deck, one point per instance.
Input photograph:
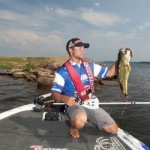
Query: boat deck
{"points": [[27, 131]]}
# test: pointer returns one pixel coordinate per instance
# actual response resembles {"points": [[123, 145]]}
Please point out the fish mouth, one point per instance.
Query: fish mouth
{"points": [[128, 50]]}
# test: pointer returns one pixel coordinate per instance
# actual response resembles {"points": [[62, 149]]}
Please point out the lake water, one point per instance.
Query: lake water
{"points": [[134, 119]]}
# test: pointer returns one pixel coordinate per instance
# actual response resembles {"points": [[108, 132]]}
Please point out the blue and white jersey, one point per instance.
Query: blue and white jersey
{"points": [[63, 83]]}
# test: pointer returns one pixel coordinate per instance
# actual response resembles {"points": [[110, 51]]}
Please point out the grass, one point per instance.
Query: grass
{"points": [[28, 62], [11, 62]]}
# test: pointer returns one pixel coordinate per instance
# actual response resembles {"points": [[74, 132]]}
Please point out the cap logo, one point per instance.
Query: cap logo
{"points": [[71, 44], [77, 41]]}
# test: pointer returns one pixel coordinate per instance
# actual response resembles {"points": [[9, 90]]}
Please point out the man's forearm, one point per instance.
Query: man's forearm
{"points": [[59, 97], [112, 70], [70, 101]]}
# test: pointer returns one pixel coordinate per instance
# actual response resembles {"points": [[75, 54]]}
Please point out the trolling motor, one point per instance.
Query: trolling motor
{"points": [[43, 99], [51, 110]]}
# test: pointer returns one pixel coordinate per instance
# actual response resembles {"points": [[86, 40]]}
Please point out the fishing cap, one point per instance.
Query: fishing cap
{"points": [[76, 42]]}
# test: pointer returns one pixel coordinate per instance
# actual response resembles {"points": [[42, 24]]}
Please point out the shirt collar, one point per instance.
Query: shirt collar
{"points": [[74, 63]]}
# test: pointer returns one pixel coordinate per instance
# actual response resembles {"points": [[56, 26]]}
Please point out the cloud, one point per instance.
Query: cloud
{"points": [[100, 18], [111, 39], [97, 4], [9, 15], [103, 35], [91, 16], [20, 32], [63, 12], [19, 37], [19, 19], [29, 40], [47, 8], [144, 25]]}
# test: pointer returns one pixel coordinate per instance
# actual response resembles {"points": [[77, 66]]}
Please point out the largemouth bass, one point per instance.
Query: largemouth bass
{"points": [[124, 69]]}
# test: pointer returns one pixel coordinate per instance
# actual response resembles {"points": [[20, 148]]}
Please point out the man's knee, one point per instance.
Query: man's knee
{"points": [[112, 129], [79, 120]]}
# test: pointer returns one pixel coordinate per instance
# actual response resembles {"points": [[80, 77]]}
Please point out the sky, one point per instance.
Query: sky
{"points": [[43, 27]]}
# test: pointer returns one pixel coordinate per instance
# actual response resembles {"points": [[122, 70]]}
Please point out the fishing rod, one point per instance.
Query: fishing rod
{"points": [[124, 103], [115, 103], [31, 106], [48, 96]]}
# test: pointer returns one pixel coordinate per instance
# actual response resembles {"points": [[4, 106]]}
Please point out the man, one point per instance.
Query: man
{"points": [[74, 85]]}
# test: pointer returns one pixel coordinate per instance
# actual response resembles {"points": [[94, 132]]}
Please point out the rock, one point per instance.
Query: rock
{"points": [[2, 73], [19, 74], [45, 81], [11, 72], [40, 73], [54, 66], [15, 70], [31, 77]]}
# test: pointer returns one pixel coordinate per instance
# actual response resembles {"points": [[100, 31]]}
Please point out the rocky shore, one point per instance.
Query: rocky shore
{"points": [[43, 73]]}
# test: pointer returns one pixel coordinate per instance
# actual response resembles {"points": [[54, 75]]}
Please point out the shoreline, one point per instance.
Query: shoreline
{"points": [[35, 69]]}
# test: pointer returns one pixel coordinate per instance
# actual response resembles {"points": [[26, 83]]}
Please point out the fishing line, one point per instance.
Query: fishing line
{"points": [[122, 113]]}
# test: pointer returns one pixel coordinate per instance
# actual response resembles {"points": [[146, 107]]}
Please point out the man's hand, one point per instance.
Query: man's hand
{"points": [[70, 101]]}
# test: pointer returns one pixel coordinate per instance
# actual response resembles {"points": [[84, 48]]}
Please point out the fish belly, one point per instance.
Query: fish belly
{"points": [[124, 71]]}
